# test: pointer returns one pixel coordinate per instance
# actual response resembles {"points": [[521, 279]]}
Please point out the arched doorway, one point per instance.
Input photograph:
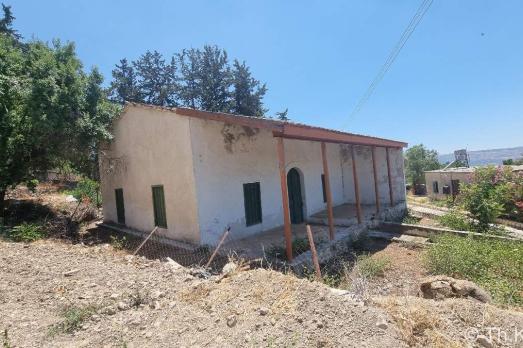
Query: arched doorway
{"points": [[295, 196]]}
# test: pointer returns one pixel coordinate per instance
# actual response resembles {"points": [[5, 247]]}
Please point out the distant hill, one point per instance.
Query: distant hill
{"points": [[484, 157]]}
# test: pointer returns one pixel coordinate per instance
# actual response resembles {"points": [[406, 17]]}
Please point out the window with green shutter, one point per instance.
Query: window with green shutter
{"points": [[160, 218], [120, 208], [252, 203]]}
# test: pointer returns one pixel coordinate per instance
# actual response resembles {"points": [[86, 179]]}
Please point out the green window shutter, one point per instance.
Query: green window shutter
{"points": [[120, 208], [160, 218], [252, 203], [323, 188]]}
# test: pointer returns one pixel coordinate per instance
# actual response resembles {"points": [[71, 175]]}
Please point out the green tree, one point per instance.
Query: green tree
{"points": [[123, 86], [491, 193], [282, 115], [6, 23], [157, 83], [512, 162], [419, 159], [190, 85], [47, 103], [248, 92], [215, 80], [93, 126]]}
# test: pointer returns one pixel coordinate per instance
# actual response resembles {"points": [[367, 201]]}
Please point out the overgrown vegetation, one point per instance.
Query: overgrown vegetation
{"points": [[88, 190], [455, 220], [491, 193], [51, 110], [497, 265], [73, 318], [299, 245], [26, 232], [370, 267], [410, 219]]}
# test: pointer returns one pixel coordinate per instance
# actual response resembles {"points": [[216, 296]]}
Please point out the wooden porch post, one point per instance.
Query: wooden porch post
{"points": [[284, 199], [390, 178], [356, 185], [327, 190], [376, 192]]}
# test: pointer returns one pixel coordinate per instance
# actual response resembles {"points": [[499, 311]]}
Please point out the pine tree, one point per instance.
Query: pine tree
{"points": [[6, 23], [282, 115], [123, 86], [189, 88], [156, 79], [215, 80], [248, 92]]}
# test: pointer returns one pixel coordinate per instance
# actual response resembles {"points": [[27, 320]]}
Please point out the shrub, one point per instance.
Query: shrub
{"points": [[497, 265], [118, 243], [455, 220], [89, 190], [26, 233], [370, 267], [32, 184], [491, 193]]}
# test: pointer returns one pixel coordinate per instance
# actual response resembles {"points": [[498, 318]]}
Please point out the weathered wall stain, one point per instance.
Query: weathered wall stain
{"points": [[240, 136]]}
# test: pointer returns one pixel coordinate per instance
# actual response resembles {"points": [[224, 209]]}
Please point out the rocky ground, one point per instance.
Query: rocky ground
{"points": [[61, 295]]}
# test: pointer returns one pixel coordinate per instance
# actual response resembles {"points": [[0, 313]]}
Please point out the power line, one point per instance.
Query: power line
{"points": [[415, 20]]}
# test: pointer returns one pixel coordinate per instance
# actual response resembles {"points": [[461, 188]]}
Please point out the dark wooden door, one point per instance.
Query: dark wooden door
{"points": [[295, 197]]}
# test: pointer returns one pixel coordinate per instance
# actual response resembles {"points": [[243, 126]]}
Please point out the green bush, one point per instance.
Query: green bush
{"points": [[497, 265], [32, 184], [491, 193], [370, 267], [88, 189], [455, 220], [26, 233]]}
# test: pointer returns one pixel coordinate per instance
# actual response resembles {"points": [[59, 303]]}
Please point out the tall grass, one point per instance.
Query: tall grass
{"points": [[497, 265]]}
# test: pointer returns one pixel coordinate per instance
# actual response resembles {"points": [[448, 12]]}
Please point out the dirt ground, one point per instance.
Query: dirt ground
{"points": [[137, 302], [253, 308], [78, 292]]}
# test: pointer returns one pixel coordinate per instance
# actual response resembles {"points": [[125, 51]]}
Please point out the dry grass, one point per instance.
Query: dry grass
{"points": [[195, 294], [417, 323]]}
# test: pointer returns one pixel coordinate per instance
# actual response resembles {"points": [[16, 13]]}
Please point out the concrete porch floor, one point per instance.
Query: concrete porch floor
{"points": [[255, 246], [345, 214]]}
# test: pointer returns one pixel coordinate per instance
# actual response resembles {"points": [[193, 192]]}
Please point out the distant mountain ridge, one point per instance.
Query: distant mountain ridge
{"points": [[484, 157]]}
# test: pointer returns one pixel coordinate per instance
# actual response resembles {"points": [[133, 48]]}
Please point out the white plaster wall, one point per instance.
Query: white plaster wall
{"points": [[221, 169], [443, 179], [398, 175], [363, 158], [155, 149]]}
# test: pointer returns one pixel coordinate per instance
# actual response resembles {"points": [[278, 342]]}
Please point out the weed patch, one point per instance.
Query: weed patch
{"points": [[299, 245], [26, 233], [410, 219], [497, 265], [370, 267], [73, 318]]}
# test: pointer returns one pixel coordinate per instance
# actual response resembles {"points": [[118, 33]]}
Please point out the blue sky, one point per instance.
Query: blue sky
{"points": [[451, 87]]}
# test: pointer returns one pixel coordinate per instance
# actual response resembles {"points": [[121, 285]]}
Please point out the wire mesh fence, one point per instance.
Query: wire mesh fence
{"points": [[343, 263]]}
